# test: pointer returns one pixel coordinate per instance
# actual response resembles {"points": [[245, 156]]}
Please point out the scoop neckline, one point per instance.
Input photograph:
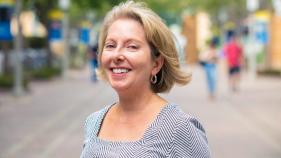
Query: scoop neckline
{"points": [[141, 140]]}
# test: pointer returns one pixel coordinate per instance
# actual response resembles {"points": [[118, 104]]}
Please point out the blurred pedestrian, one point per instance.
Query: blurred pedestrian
{"points": [[139, 60], [209, 60], [93, 58], [234, 57]]}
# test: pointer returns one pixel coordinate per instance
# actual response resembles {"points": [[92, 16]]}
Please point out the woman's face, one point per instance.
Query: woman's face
{"points": [[126, 56]]}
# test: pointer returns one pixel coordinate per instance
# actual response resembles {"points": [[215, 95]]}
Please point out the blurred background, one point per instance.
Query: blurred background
{"points": [[49, 83]]}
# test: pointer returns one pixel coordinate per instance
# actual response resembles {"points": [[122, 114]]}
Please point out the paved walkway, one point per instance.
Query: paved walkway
{"points": [[48, 121]]}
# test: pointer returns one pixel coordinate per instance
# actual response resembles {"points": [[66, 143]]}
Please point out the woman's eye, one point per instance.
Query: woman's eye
{"points": [[134, 47], [109, 46]]}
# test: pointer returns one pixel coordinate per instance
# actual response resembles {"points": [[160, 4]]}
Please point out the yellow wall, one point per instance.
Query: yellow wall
{"points": [[189, 31], [275, 42]]}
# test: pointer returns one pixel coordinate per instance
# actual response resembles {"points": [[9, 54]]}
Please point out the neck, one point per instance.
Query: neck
{"points": [[139, 101]]}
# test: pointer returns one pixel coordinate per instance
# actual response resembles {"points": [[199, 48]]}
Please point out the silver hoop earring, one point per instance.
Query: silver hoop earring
{"points": [[153, 79]]}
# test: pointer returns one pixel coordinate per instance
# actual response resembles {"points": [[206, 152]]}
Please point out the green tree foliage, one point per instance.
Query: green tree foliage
{"points": [[170, 9], [234, 9], [41, 8], [166, 8], [99, 7]]}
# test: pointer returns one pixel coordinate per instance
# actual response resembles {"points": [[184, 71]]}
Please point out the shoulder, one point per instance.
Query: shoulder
{"points": [[93, 121], [185, 121], [92, 118], [182, 121], [176, 114], [190, 137]]}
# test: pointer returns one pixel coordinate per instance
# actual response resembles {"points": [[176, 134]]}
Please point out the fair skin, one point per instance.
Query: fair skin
{"points": [[128, 65]]}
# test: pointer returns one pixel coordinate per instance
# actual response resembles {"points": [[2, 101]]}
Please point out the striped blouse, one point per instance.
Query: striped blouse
{"points": [[172, 134]]}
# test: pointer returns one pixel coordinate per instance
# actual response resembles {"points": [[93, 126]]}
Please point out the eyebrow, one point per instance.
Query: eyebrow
{"points": [[126, 41]]}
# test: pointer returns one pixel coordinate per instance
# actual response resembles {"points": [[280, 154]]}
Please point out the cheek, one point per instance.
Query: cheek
{"points": [[104, 59]]}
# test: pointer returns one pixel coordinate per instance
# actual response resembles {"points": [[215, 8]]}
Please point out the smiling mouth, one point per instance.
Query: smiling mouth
{"points": [[120, 70]]}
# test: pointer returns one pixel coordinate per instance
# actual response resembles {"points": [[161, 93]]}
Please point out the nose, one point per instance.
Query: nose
{"points": [[118, 56]]}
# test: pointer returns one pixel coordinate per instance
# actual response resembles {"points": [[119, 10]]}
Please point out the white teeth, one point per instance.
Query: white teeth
{"points": [[118, 71]]}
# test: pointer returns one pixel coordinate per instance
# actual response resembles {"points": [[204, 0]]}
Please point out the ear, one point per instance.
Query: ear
{"points": [[157, 65]]}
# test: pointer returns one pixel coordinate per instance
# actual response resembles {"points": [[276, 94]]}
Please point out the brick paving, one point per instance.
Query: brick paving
{"points": [[48, 121]]}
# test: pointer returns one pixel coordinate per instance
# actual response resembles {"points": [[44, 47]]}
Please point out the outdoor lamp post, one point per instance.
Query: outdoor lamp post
{"points": [[18, 74], [64, 5], [252, 46]]}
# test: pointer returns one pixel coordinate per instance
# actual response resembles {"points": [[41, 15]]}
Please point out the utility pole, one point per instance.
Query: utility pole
{"points": [[64, 5], [252, 6], [18, 73]]}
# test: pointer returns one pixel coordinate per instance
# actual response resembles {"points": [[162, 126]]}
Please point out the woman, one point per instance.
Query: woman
{"points": [[138, 58], [209, 58]]}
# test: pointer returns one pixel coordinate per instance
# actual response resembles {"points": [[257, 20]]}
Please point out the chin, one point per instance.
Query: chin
{"points": [[117, 86]]}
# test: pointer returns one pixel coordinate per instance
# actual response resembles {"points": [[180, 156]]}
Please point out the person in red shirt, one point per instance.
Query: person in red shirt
{"points": [[234, 57]]}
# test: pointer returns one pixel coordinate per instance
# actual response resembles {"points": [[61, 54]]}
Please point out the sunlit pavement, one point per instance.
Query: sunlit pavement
{"points": [[48, 121]]}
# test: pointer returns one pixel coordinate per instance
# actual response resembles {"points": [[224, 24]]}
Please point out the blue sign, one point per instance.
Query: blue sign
{"points": [[5, 23], [262, 33], [5, 31], [55, 32], [84, 35]]}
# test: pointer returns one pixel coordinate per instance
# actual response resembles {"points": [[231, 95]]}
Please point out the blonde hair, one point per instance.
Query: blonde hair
{"points": [[159, 38]]}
